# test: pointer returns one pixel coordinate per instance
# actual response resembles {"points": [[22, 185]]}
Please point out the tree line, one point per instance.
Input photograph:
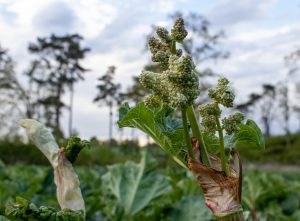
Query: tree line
{"points": [[57, 67]]}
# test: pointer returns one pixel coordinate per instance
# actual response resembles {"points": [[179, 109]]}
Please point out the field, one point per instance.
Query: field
{"points": [[160, 194]]}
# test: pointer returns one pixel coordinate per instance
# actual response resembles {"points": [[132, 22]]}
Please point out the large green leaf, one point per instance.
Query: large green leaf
{"points": [[159, 125], [250, 135], [134, 185]]}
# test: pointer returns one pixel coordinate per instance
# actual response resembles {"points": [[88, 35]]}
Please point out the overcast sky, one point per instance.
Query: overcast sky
{"points": [[259, 34]]}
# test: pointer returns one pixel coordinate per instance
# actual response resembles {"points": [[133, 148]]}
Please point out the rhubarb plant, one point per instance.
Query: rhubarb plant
{"points": [[67, 183], [207, 148]]}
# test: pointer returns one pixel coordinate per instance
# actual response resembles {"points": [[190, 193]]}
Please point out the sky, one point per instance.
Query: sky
{"points": [[258, 36]]}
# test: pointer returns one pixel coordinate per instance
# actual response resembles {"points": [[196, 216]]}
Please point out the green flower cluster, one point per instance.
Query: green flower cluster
{"points": [[177, 85], [230, 123], [222, 93], [161, 48], [178, 31], [210, 113], [21, 209]]}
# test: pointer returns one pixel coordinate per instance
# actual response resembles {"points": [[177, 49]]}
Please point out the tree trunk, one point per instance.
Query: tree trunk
{"points": [[57, 116], [110, 124], [267, 130], [71, 109], [266, 126], [58, 109]]}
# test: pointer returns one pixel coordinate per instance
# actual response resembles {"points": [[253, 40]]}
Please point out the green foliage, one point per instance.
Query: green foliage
{"points": [[159, 125], [275, 194], [272, 196], [248, 135], [22, 210], [277, 151], [74, 146], [17, 151]]}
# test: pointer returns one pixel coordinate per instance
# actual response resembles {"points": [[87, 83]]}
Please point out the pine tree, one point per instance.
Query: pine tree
{"points": [[59, 68], [108, 94]]}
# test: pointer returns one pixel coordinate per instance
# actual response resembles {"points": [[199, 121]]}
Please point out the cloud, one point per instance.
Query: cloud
{"points": [[257, 57], [130, 24], [92, 16], [55, 17], [231, 12], [7, 15]]}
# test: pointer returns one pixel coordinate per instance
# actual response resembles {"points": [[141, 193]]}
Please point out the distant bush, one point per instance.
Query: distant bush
{"points": [[279, 149], [15, 151], [12, 152]]}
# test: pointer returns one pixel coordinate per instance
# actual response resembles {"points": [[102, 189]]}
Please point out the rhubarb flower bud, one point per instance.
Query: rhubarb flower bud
{"points": [[178, 31], [161, 57], [164, 36], [155, 45], [152, 100], [209, 124], [230, 123], [209, 109], [222, 93]]}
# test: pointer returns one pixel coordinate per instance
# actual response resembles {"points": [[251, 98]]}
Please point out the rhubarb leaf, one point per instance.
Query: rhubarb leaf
{"points": [[159, 124], [134, 185]]}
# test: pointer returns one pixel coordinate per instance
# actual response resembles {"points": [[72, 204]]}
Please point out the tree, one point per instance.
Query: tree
{"points": [[265, 103], [7, 97], [137, 91], [58, 68], [201, 43], [14, 100], [292, 61], [18, 101], [296, 107], [282, 91], [108, 94]]}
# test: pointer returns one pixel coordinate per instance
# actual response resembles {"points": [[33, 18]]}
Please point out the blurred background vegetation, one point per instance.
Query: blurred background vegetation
{"points": [[272, 177]]}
